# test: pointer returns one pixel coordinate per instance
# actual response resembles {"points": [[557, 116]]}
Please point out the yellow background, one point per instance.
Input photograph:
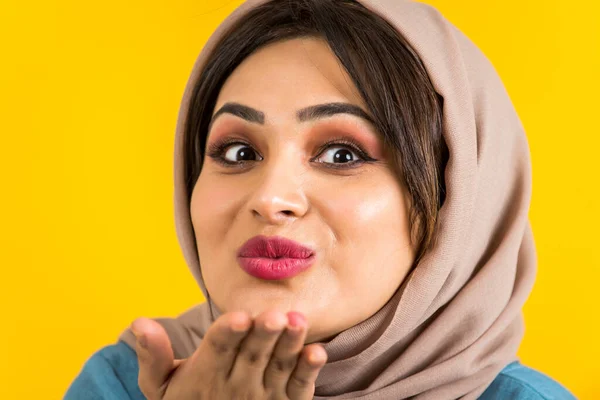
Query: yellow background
{"points": [[89, 94]]}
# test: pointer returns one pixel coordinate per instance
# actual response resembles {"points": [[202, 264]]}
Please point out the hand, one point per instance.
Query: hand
{"points": [[238, 359]]}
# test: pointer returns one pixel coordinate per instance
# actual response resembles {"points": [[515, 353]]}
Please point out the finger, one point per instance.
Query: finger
{"points": [[216, 354], [301, 385], [155, 357], [286, 353], [256, 350]]}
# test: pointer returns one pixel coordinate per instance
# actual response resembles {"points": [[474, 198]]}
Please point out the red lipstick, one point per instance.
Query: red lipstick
{"points": [[274, 257]]}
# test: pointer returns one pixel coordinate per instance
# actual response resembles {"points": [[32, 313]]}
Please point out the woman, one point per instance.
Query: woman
{"points": [[355, 182]]}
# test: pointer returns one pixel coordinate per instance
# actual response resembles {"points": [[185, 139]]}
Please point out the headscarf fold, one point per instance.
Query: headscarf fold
{"points": [[456, 321]]}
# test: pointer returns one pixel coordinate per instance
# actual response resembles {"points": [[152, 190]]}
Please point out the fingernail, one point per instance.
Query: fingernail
{"points": [[140, 337], [240, 324], [275, 325], [296, 319], [142, 341], [316, 358]]}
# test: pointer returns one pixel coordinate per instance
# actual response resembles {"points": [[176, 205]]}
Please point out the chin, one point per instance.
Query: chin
{"points": [[259, 300], [255, 304]]}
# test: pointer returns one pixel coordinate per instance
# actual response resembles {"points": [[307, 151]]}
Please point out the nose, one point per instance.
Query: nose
{"points": [[279, 197]]}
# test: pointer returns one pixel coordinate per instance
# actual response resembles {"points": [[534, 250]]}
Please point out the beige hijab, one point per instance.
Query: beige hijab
{"points": [[456, 321]]}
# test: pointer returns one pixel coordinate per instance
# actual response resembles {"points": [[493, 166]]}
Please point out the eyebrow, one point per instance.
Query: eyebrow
{"points": [[306, 114]]}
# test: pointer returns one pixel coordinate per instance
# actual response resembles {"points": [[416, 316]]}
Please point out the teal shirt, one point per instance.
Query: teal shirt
{"points": [[112, 373]]}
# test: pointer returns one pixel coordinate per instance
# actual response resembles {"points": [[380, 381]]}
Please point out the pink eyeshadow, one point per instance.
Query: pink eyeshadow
{"points": [[369, 139]]}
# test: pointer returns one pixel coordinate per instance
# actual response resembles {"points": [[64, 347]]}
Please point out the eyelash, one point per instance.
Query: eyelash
{"points": [[216, 151]]}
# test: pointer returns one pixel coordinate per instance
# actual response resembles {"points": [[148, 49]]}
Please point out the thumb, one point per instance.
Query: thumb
{"points": [[155, 357]]}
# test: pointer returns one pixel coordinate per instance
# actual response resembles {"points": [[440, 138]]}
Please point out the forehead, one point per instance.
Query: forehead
{"points": [[290, 75]]}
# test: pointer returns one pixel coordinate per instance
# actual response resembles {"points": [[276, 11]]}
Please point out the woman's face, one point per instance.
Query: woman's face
{"points": [[353, 214]]}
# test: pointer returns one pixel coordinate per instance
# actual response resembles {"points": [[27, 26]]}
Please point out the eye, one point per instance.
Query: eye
{"points": [[232, 153], [339, 155], [239, 152], [342, 153]]}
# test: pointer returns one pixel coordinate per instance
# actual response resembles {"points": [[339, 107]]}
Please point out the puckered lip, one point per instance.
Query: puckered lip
{"points": [[274, 247]]}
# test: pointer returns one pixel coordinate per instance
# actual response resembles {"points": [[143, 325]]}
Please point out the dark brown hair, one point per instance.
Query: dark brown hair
{"points": [[387, 72]]}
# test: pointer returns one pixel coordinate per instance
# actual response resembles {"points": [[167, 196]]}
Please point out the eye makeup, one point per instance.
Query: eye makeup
{"points": [[352, 130], [344, 142], [217, 149], [342, 134]]}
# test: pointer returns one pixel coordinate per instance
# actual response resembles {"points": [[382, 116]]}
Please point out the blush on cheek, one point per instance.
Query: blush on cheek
{"points": [[215, 197], [212, 212]]}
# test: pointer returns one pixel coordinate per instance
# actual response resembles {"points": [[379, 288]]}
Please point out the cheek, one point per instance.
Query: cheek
{"points": [[212, 210], [370, 213], [373, 250]]}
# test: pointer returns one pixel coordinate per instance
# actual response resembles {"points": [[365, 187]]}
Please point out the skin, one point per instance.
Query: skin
{"points": [[239, 358], [355, 217]]}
